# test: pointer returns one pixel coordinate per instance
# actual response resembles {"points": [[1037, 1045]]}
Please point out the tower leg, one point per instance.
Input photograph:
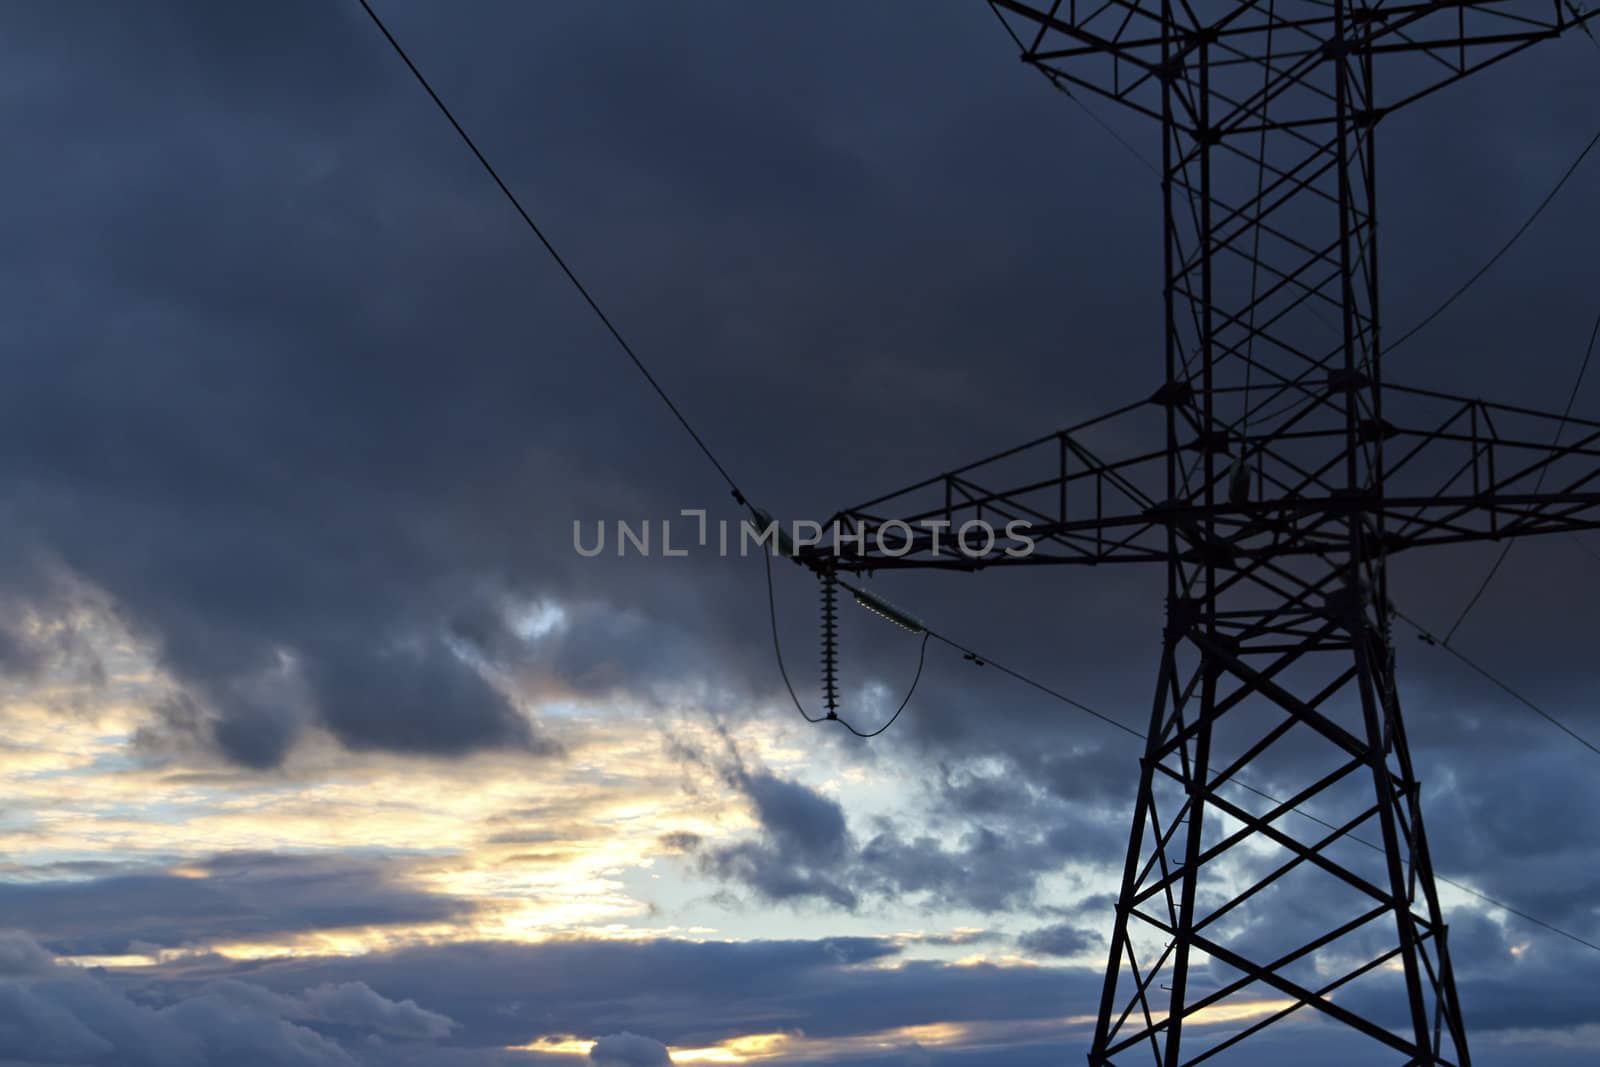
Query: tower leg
{"points": [[1235, 909]]}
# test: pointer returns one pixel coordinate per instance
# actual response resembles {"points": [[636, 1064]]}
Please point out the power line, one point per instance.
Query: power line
{"points": [[980, 660], [583, 290], [1505, 550], [1085, 108], [777, 646], [1591, 553], [1481, 271], [1429, 638]]}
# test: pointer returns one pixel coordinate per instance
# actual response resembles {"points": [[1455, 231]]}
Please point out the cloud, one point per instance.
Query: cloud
{"points": [[226, 897], [857, 997], [64, 1015], [803, 851], [797, 819], [354, 1004], [629, 1050], [681, 993], [996, 836], [1060, 939], [22, 957]]}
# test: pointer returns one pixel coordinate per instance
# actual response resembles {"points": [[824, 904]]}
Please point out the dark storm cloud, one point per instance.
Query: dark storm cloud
{"points": [[339, 410], [242, 895], [248, 428], [332, 402]]}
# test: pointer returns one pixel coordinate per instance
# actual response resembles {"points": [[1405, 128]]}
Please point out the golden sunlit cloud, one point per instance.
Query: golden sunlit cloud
{"points": [[761, 1048], [767, 1047], [971, 1036], [533, 848]]}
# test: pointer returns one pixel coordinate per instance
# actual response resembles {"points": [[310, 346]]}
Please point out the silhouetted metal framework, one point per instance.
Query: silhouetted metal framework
{"points": [[1286, 476]]}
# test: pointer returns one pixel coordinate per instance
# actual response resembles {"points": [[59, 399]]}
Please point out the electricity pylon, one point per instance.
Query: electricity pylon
{"points": [[1287, 474]]}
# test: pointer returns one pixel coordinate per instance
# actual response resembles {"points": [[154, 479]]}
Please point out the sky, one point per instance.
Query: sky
{"points": [[323, 746]]}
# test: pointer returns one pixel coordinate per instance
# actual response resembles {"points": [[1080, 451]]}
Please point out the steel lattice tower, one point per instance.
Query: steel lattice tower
{"points": [[1288, 473]]}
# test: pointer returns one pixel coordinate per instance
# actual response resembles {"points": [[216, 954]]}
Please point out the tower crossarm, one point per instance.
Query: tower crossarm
{"points": [[1487, 471], [1125, 51], [1075, 506], [1456, 469]]}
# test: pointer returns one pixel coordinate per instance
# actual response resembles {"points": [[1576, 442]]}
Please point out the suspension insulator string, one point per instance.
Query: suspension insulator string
{"points": [[830, 642], [830, 646]]}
